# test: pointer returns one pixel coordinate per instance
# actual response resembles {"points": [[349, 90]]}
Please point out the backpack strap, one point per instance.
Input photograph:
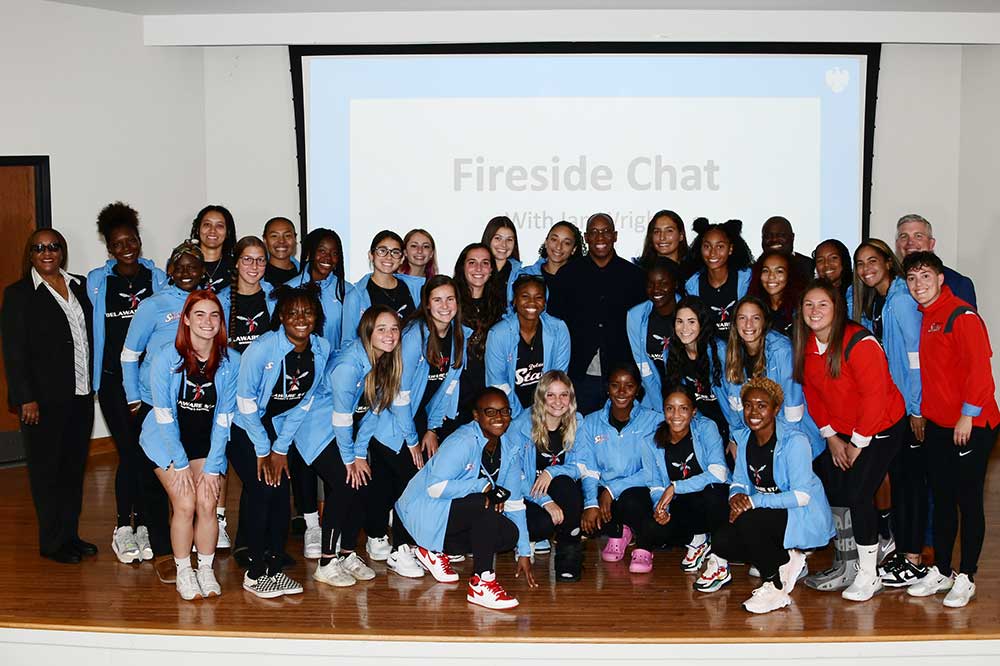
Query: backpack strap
{"points": [[855, 339], [955, 314]]}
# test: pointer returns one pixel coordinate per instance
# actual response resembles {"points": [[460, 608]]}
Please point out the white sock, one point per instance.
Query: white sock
{"points": [[868, 559], [205, 561], [312, 519], [220, 511], [723, 562], [182, 564], [697, 540]]}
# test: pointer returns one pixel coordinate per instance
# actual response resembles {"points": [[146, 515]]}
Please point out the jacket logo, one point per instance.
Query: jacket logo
{"points": [[599, 438], [198, 389], [251, 322], [757, 471], [269, 365], [170, 316], [685, 467], [293, 381], [935, 327]]}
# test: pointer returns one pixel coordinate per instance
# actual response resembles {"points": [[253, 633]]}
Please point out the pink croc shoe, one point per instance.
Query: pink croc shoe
{"points": [[642, 561], [614, 551]]}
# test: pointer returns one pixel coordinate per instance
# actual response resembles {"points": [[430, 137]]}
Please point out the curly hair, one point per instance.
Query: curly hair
{"points": [[768, 386], [741, 257], [114, 215]]}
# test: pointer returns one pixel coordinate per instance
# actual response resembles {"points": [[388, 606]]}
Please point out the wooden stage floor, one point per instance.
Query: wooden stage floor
{"points": [[608, 605]]}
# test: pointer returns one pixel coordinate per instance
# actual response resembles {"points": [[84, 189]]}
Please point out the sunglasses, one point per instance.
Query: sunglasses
{"points": [[38, 248]]}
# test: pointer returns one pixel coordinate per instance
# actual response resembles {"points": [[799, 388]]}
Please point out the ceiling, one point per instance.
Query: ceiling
{"points": [[169, 7]]}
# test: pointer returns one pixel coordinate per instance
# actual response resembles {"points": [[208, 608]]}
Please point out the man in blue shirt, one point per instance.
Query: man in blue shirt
{"points": [[914, 234]]}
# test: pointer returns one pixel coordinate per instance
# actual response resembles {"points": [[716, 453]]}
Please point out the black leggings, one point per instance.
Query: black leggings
{"points": [[568, 495], [908, 479], [124, 431], [757, 537], [855, 488], [473, 527], [157, 509], [632, 508], [957, 475], [702, 512], [267, 510], [305, 491], [344, 507], [391, 471]]}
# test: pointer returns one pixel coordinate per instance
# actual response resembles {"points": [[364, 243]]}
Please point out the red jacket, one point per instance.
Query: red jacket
{"points": [[955, 366], [862, 401]]}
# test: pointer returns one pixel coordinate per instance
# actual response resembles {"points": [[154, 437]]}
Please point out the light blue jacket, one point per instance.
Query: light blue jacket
{"points": [[780, 367], [262, 363], [443, 404], [364, 301], [691, 287], [810, 522], [901, 323], [604, 457], [501, 353], [97, 288], [341, 325], [708, 451], [636, 325], [453, 473], [522, 425], [161, 436], [531, 269], [154, 325]]}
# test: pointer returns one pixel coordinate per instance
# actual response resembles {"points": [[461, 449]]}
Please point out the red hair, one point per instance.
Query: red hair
{"points": [[182, 342]]}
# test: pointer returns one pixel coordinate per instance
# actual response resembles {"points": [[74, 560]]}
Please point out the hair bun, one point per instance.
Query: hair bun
{"points": [[734, 226], [700, 225]]}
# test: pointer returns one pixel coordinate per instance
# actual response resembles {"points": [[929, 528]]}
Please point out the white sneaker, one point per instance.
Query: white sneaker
{"points": [[142, 540], [767, 598], [124, 545], [313, 540], [457, 557], [207, 582], [485, 591], [355, 566], [263, 587], [931, 584], [333, 574], [961, 593], [378, 548], [791, 571], [695, 556], [187, 584], [865, 586], [437, 563], [403, 562], [753, 571], [223, 541]]}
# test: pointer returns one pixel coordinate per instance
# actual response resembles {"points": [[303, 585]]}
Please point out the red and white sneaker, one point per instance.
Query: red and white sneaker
{"points": [[437, 563], [695, 556], [485, 591]]}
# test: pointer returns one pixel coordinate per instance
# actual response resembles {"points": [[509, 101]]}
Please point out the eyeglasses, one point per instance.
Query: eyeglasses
{"points": [[250, 261], [493, 411], [382, 251], [38, 248]]}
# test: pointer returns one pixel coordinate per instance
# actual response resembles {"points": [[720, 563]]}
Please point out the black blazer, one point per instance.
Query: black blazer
{"points": [[38, 342]]}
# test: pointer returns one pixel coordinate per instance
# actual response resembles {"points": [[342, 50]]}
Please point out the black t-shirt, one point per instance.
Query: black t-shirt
{"points": [[121, 299], [490, 467], [657, 338], [760, 464], [554, 455], [704, 399], [878, 305], [218, 274], [721, 300], [473, 378], [278, 276], [781, 322], [293, 382], [528, 369], [398, 298], [195, 413], [615, 423], [748, 365], [681, 461], [435, 377], [250, 320]]}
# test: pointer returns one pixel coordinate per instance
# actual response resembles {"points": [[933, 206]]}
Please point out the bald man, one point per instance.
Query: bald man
{"points": [[777, 235]]}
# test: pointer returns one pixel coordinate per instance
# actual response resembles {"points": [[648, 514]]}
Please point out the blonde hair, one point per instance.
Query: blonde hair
{"points": [[768, 386], [736, 349], [383, 381], [567, 424]]}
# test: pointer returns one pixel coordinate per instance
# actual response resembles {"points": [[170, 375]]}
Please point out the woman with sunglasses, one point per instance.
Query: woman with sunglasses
{"points": [[385, 285]]}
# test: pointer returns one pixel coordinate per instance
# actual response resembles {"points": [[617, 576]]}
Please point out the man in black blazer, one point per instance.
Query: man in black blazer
{"points": [[47, 346]]}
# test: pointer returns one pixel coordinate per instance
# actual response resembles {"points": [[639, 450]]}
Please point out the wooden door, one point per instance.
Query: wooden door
{"points": [[23, 208]]}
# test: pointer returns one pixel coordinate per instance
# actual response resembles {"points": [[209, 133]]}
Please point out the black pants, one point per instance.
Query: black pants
{"points": [[473, 527], [344, 507], [757, 537], [568, 495], [305, 491], [702, 512], [908, 479], [957, 475], [391, 471], [124, 430], [632, 508], [56, 450], [267, 508], [157, 504], [856, 487]]}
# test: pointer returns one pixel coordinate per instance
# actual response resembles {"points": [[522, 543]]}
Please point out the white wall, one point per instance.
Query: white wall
{"points": [[119, 120]]}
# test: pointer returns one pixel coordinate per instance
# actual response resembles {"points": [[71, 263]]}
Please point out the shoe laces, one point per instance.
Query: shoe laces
{"points": [[445, 564], [495, 587]]}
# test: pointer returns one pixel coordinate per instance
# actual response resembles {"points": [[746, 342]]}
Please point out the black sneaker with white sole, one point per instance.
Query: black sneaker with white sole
{"points": [[903, 574]]}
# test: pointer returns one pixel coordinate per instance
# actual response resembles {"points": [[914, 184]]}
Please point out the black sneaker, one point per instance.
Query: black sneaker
{"points": [[904, 574], [893, 562]]}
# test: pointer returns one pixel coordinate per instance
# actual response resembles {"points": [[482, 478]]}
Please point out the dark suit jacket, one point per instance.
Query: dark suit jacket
{"points": [[38, 343]]}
